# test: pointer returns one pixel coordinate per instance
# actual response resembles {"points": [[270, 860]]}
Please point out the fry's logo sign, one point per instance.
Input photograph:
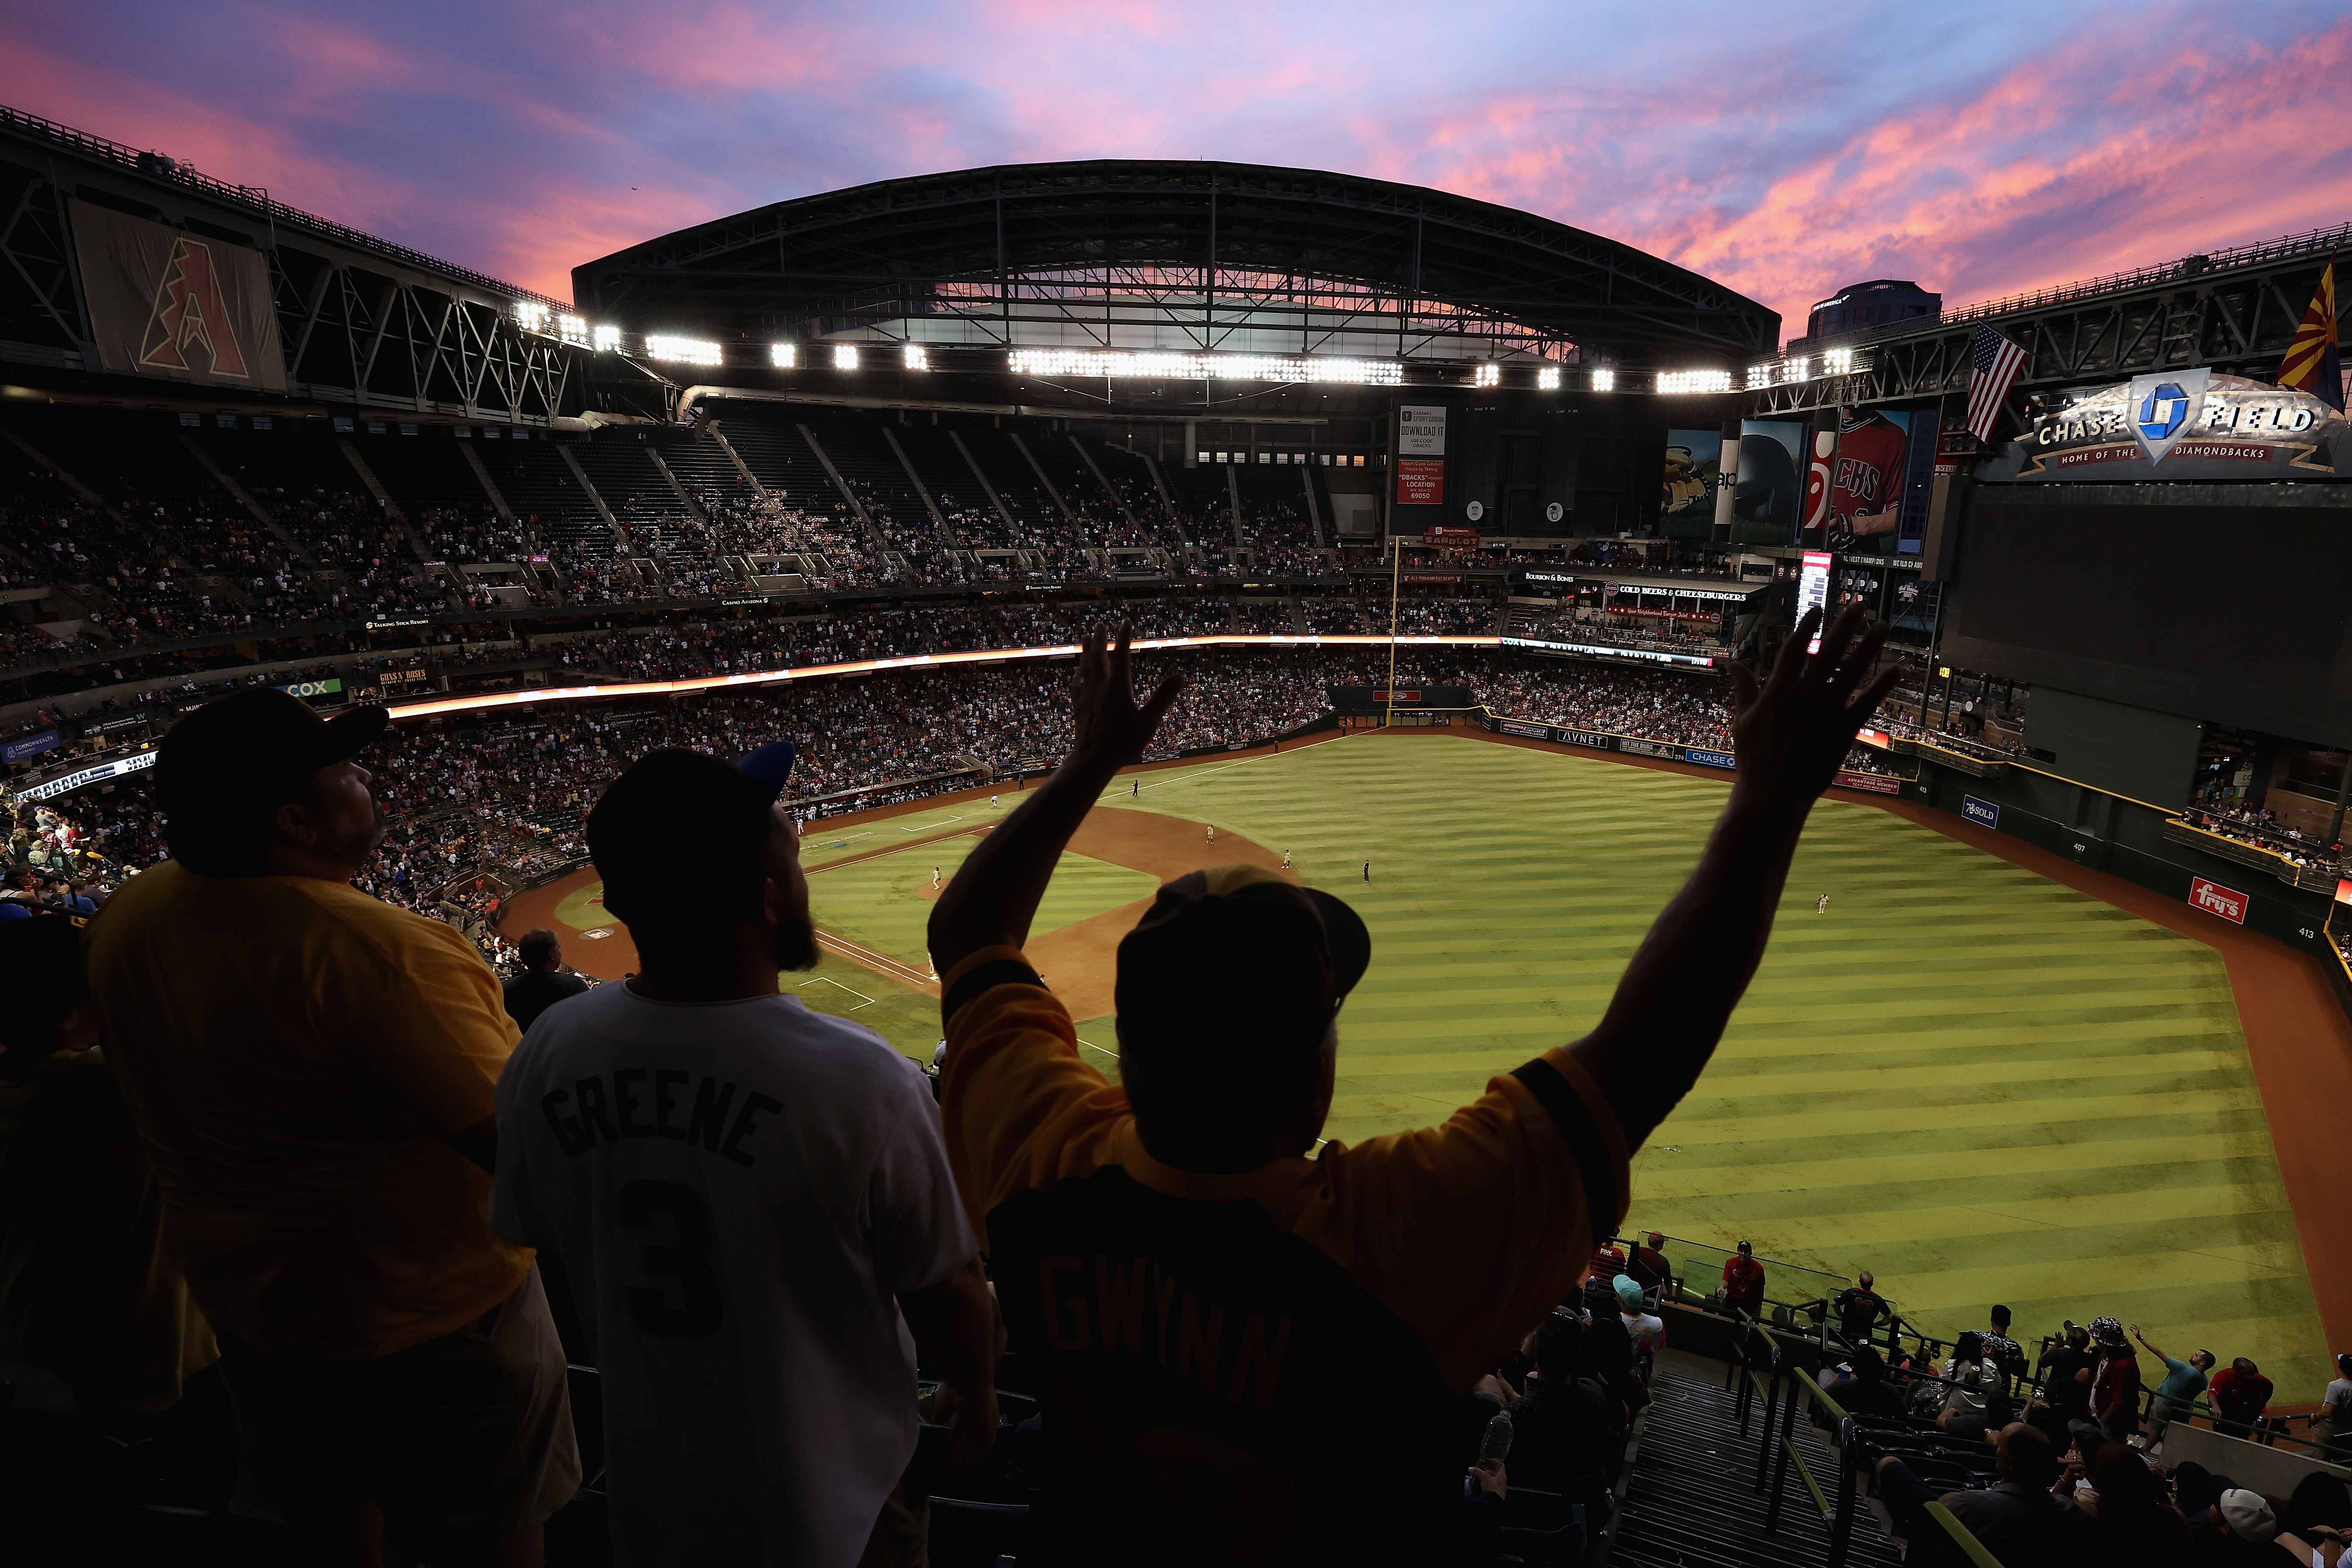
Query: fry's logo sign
{"points": [[190, 312], [2217, 900]]}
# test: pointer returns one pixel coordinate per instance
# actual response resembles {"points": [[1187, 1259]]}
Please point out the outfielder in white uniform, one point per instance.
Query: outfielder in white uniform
{"points": [[744, 1194]]}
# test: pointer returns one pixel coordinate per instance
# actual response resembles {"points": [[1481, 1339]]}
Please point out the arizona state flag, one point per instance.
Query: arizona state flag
{"points": [[2311, 365]]}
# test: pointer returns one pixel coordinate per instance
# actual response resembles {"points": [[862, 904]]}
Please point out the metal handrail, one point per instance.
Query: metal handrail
{"points": [[1805, 1473], [1836, 1413], [1787, 1452], [1961, 1536]]}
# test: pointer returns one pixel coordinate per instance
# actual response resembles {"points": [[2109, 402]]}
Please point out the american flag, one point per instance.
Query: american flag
{"points": [[1994, 362]]}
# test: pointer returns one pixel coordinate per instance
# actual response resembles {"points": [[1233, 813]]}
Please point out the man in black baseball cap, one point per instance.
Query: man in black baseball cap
{"points": [[1194, 1280], [313, 1075], [1235, 975], [797, 1153], [704, 869], [261, 775]]}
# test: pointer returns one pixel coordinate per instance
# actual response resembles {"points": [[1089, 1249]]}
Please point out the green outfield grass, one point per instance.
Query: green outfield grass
{"points": [[1976, 1082]]}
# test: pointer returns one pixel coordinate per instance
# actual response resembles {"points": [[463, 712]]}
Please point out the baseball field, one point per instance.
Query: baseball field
{"points": [[1981, 1084]]}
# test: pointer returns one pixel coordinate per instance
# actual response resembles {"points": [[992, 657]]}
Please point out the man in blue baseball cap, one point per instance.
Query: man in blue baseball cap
{"points": [[746, 1195]]}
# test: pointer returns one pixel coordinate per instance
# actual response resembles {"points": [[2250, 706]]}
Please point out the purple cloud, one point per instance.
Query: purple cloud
{"points": [[1979, 155]]}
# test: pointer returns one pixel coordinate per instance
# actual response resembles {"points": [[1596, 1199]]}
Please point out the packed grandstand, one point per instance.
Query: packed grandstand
{"points": [[550, 598]]}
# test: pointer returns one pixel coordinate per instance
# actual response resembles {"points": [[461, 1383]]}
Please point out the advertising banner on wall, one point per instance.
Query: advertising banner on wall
{"points": [[30, 746], [1768, 491], [1421, 456], [1822, 450], [1868, 473], [2183, 426], [1421, 481], [164, 302], [2216, 900], [1421, 432], [1694, 477]]}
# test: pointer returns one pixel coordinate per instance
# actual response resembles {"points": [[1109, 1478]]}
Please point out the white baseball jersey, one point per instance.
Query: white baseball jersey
{"points": [[738, 1190]]}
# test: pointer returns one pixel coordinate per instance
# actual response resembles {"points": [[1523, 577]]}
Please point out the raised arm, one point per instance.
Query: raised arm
{"points": [[1789, 734], [995, 893], [2151, 1349]]}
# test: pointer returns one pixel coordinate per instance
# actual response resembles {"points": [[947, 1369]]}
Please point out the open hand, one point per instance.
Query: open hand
{"points": [[1791, 732], [1111, 728]]}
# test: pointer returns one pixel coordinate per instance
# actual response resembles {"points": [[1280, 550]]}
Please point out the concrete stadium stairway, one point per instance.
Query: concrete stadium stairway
{"points": [[1692, 1502]]}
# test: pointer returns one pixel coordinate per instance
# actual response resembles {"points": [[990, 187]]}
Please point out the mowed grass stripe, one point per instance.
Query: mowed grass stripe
{"points": [[2115, 1129]]}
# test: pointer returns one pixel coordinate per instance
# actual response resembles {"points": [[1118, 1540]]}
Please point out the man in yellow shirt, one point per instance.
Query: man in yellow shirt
{"points": [[312, 1074], [1252, 1349]]}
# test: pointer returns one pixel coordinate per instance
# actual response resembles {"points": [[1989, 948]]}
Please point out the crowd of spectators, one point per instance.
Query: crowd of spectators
{"points": [[1692, 709], [2068, 1452], [2263, 830]]}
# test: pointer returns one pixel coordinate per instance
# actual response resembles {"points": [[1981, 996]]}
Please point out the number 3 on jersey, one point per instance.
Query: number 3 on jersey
{"points": [[689, 1305]]}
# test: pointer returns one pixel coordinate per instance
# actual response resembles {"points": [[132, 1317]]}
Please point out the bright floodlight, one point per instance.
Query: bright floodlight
{"points": [[608, 339], [572, 330], [1548, 379], [1487, 374], [1094, 364], [1673, 381], [1837, 362], [1760, 376], [1797, 369], [914, 357], [683, 350], [531, 316], [1605, 380], [845, 356], [783, 356]]}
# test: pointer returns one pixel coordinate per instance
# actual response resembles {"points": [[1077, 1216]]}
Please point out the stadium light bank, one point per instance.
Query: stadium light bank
{"points": [[523, 698], [1094, 364]]}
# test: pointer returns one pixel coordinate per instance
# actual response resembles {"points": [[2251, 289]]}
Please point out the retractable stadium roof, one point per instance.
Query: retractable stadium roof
{"points": [[1180, 256]]}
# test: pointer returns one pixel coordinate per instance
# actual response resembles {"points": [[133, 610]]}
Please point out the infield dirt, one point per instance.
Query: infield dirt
{"points": [[1078, 960]]}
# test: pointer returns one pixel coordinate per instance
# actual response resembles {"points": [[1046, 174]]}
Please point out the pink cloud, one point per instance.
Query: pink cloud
{"points": [[1783, 160]]}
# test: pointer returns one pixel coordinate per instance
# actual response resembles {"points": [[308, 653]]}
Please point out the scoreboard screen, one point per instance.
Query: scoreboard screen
{"points": [[1813, 591]]}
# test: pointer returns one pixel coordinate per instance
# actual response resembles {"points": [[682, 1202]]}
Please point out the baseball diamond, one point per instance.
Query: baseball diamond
{"points": [[1998, 1087]]}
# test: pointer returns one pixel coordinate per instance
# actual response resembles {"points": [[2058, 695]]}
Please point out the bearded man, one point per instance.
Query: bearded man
{"points": [[746, 1195]]}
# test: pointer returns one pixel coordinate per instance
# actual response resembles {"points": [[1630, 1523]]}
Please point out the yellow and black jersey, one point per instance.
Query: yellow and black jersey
{"points": [[1259, 1367]]}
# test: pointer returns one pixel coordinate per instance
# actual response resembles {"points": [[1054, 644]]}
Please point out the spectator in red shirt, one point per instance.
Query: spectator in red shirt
{"points": [[1650, 1266], [2240, 1393], [1743, 1281], [1607, 1262], [2115, 1385]]}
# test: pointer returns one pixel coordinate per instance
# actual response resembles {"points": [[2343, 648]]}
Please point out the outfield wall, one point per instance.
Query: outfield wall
{"points": [[2125, 838], [2091, 826]]}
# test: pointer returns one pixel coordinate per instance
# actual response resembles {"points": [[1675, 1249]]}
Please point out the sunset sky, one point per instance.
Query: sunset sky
{"points": [[1980, 149]]}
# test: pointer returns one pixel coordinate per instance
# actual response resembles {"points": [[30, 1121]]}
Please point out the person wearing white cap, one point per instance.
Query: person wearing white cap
{"points": [[2245, 1520]]}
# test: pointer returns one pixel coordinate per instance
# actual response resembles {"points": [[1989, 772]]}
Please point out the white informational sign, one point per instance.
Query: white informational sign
{"points": [[1813, 591], [90, 776], [1475, 511], [1421, 432]]}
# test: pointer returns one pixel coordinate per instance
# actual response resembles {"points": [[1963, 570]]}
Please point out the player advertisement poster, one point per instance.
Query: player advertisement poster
{"points": [[2180, 426], [1867, 476], [1767, 492], [166, 303], [1694, 475]]}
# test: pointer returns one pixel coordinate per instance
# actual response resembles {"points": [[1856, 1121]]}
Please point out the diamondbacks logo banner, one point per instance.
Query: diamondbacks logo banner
{"points": [[2190, 426], [164, 302]]}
